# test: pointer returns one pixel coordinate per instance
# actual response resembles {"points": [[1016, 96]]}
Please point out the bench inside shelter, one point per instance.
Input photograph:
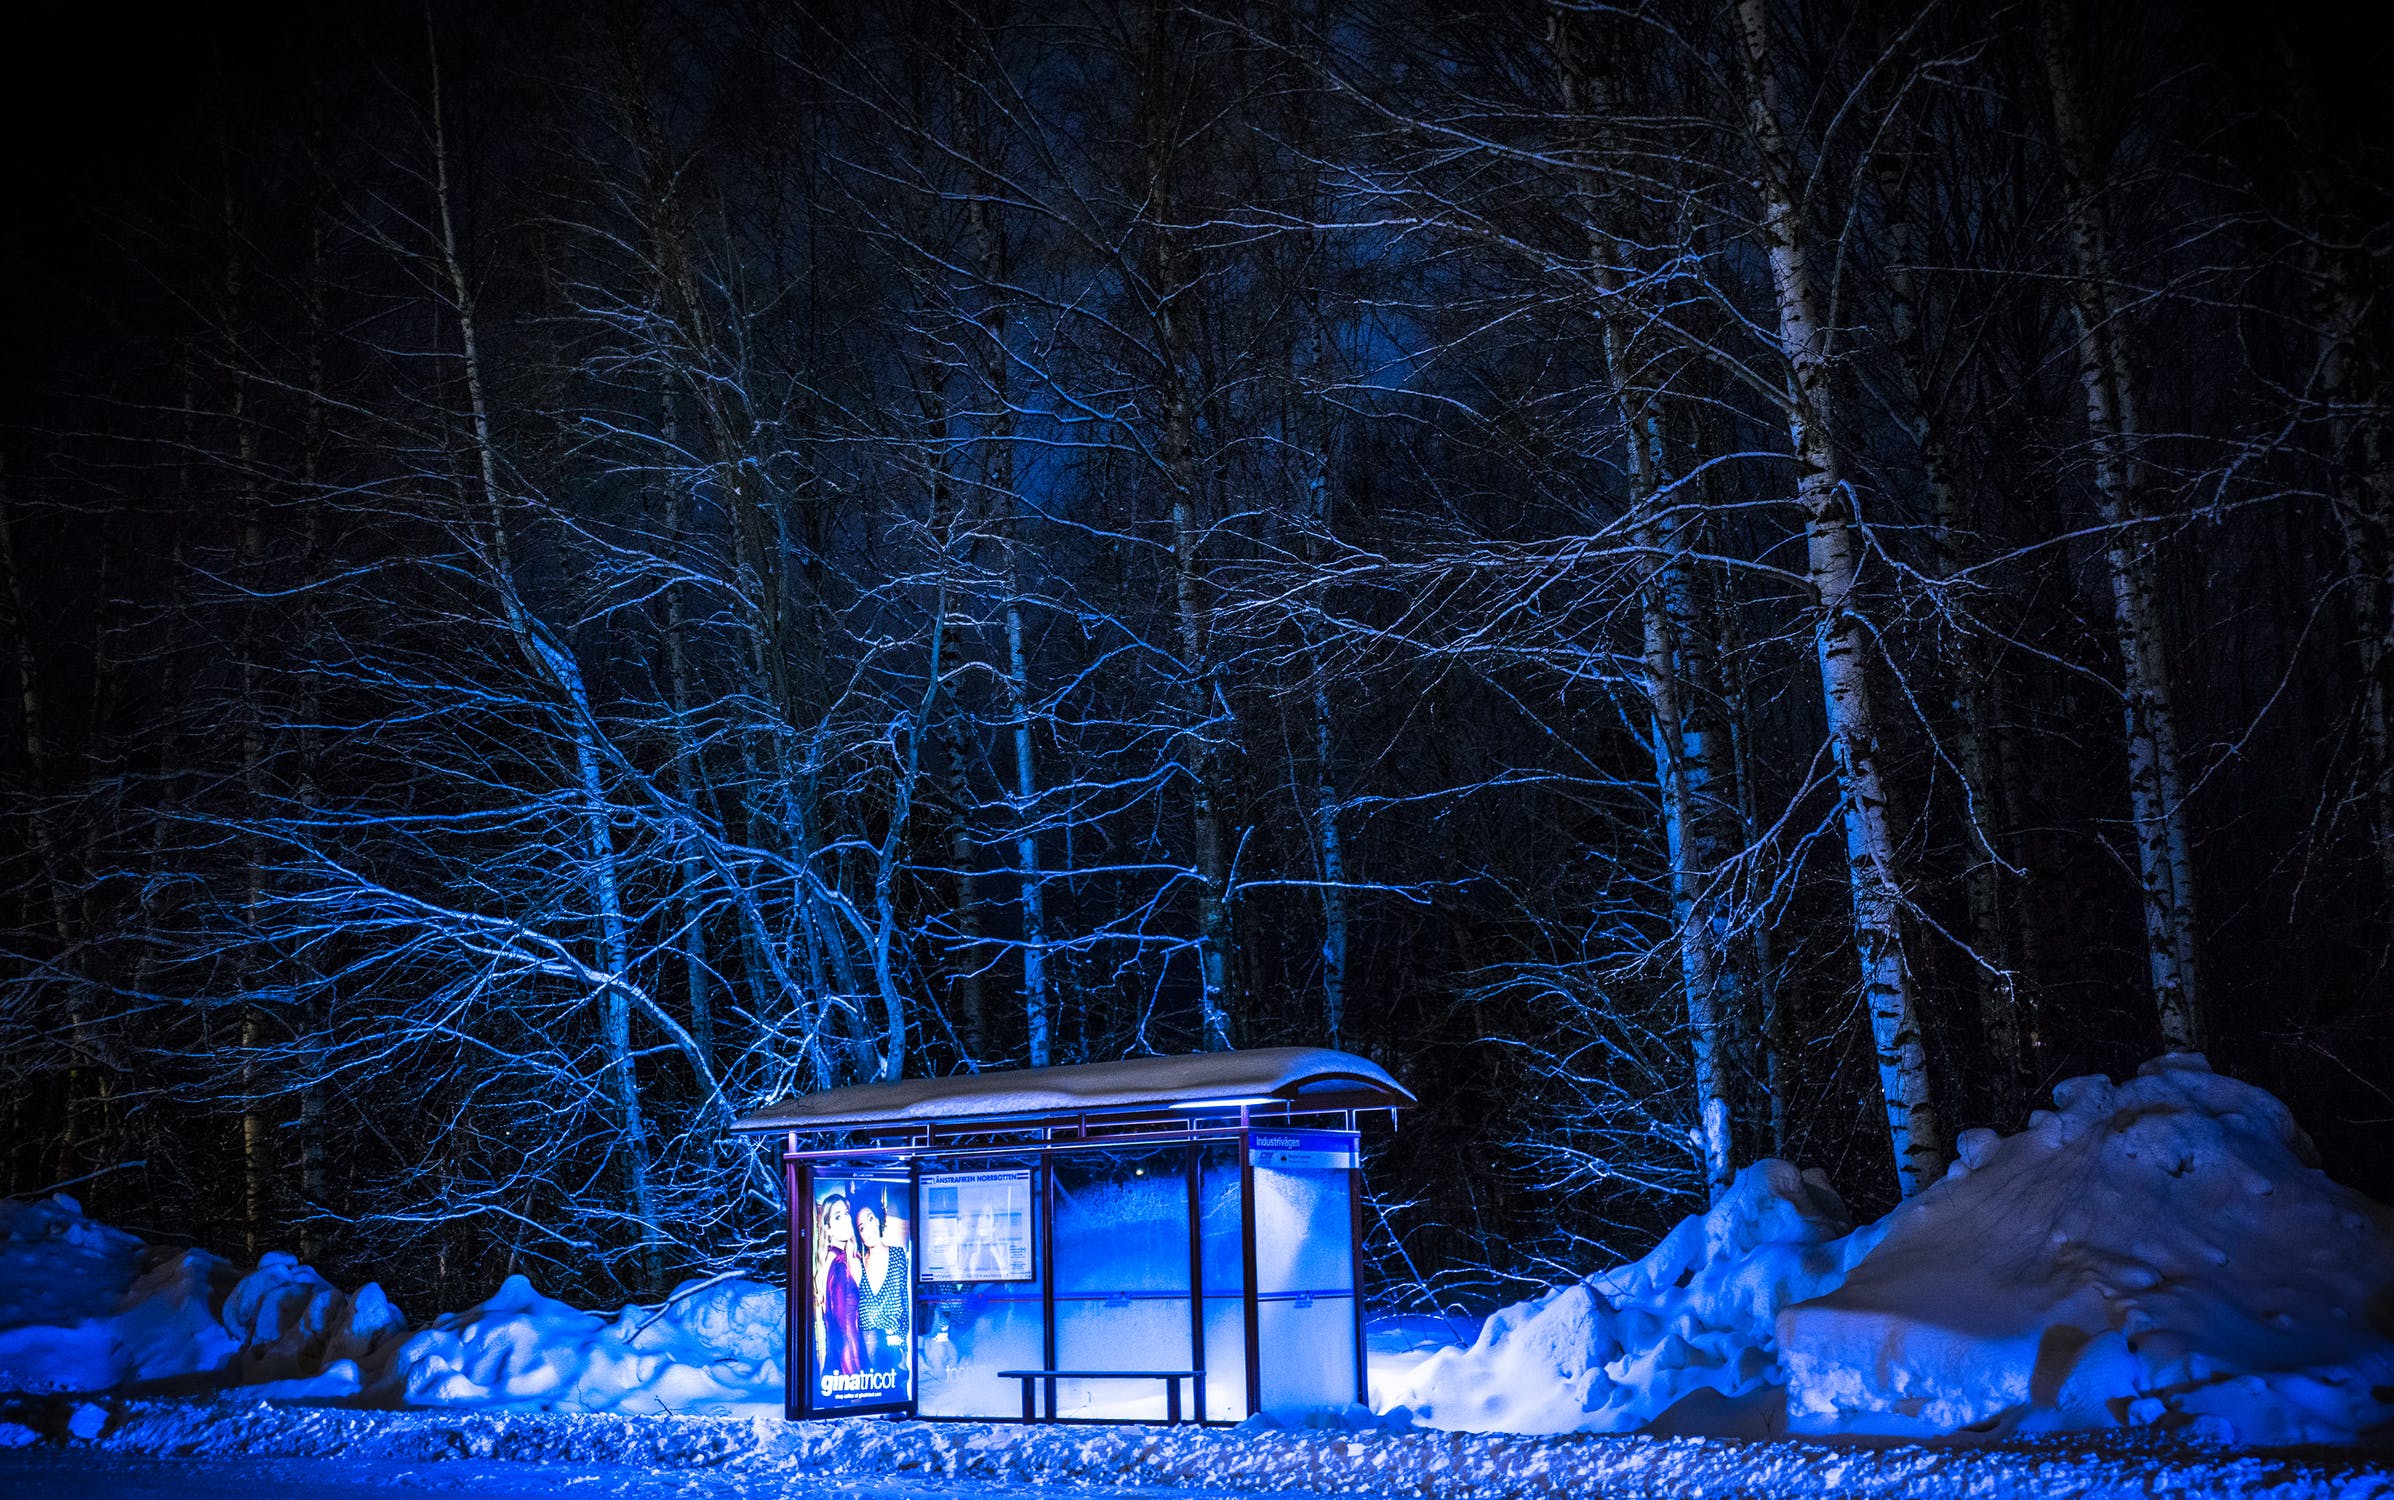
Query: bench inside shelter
{"points": [[1047, 1379]]}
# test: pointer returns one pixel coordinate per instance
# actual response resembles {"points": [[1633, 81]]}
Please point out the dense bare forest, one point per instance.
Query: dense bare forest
{"points": [[1701, 581]]}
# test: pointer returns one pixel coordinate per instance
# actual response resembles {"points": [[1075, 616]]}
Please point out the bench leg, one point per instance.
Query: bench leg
{"points": [[1029, 1412], [1172, 1400]]}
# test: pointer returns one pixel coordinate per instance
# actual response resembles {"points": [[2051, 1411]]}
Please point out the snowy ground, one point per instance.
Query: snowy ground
{"points": [[77, 1477], [66, 1447]]}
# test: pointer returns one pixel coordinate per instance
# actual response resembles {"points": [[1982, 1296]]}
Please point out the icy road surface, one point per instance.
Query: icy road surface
{"points": [[80, 1476]]}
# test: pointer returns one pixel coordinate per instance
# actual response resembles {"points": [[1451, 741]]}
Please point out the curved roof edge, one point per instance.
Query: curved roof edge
{"points": [[1314, 1077]]}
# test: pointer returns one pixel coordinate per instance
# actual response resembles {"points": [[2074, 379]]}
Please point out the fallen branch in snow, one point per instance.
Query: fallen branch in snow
{"points": [[681, 1292]]}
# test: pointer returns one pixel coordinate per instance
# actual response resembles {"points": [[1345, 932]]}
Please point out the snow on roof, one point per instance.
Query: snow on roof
{"points": [[1306, 1077]]}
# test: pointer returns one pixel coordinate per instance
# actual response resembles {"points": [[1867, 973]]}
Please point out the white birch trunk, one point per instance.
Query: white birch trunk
{"points": [[1031, 900], [1213, 924], [1699, 957], [1833, 554], [1189, 605], [1313, 503], [616, 1003], [2156, 787], [1334, 871], [696, 977], [964, 855], [1165, 287]]}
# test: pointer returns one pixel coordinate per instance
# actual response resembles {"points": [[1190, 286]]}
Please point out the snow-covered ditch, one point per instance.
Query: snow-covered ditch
{"points": [[2156, 1254]]}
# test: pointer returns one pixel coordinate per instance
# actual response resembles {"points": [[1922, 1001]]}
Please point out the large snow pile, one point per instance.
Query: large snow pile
{"points": [[87, 1308], [1618, 1350], [2159, 1253], [293, 1333], [715, 1348], [2155, 1252], [84, 1307]]}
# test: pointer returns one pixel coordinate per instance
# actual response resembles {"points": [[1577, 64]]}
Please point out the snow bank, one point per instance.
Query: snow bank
{"points": [[2155, 1252], [298, 1335], [2159, 1253], [1620, 1349], [1397, 1344], [85, 1308], [715, 1347]]}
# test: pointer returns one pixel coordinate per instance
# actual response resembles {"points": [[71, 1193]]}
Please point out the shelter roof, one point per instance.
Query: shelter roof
{"points": [[1300, 1078]]}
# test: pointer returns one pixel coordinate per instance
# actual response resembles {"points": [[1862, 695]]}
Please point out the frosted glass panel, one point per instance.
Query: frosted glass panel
{"points": [[1122, 1223], [1304, 1232], [1136, 1333], [1308, 1351], [1226, 1358], [967, 1339], [1122, 1279], [1304, 1270], [1218, 1196]]}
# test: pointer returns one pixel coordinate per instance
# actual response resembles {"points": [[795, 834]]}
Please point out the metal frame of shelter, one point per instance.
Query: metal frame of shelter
{"points": [[1042, 1116]]}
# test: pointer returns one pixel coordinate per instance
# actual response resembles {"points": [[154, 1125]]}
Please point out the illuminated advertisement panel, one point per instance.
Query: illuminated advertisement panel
{"points": [[861, 1334]]}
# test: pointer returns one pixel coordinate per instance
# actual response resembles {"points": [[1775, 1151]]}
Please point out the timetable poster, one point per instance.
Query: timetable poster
{"points": [[977, 1226]]}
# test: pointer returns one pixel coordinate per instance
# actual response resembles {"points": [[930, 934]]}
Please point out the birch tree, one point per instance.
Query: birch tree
{"points": [[2157, 785], [1834, 558]]}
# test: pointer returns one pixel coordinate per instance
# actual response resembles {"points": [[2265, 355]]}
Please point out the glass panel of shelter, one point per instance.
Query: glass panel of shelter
{"points": [[1122, 1278], [971, 1329], [1222, 1259], [1122, 1252], [1305, 1270]]}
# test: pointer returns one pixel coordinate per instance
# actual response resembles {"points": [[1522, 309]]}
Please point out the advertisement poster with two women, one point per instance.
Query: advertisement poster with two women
{"points": [[863, 1333]]}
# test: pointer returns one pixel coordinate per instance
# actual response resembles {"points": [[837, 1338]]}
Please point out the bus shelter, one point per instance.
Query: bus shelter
{"points": [[1156, 1239]]}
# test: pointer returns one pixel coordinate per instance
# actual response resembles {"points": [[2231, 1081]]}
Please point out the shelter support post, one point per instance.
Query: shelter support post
{"points": [[1047, 1270], [1247, 1266], [1355, 1269], [1196, 1189]]}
